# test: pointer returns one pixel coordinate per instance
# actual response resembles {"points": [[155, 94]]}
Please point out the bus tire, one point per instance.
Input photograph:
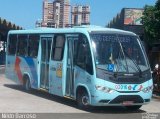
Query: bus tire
{"points": [[27, 84], [134, 107], [83, 100]]}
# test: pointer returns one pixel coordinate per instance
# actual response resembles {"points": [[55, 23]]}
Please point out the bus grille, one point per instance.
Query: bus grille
{"points": [[127, 80]]}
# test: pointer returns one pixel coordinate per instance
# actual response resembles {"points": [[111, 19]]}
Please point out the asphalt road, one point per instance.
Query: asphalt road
{"points": [[13, 99]]}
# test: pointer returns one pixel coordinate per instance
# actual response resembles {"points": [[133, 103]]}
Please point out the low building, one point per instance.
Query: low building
{"points": [[129, 19], [39, 23]]}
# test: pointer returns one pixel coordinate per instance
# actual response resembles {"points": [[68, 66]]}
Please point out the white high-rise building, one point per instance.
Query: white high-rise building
{"points": [[80, 15]]}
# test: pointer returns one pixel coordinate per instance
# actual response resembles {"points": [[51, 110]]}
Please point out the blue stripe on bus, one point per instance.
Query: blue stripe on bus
{"points": [[33, 70]]}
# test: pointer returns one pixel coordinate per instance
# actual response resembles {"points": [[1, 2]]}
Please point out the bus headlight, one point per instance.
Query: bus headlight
{"points": [[147, 89], [105, 89]]}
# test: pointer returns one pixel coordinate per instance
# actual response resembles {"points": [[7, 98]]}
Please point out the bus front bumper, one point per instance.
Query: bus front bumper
{"points": [[120, 99]]}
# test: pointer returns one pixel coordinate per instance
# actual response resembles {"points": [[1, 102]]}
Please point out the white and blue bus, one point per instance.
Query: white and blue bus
{"points": [[93, 65]]}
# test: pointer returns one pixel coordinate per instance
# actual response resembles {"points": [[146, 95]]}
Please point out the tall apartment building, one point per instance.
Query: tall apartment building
{"points": [[56, 13], [64, 12], [48, 20], [80, 15]]}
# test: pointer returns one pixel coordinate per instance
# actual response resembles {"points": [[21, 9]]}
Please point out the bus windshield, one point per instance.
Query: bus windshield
{"points": [[118, 53]]}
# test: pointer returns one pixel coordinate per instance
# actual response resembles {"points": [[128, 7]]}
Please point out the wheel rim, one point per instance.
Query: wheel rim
{"points": [[85, 100], [27, 85]]}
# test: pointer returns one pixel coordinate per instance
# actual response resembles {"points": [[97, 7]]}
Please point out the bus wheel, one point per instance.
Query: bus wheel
{"points": [[27, 84], [133, 108], [83, 100]]}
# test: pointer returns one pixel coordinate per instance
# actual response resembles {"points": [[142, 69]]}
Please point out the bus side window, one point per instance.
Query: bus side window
{"points": [[12, 44], [84, 59], [58, 47], [88, 61], [80, 53], [33, 45], [22, 45]]}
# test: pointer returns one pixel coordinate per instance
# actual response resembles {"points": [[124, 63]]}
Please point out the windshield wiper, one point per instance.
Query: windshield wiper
{"points": [[139, 69], [121, 47], [126, 54]]}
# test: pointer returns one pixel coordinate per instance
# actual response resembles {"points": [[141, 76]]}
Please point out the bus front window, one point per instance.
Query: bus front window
{"points": [[118, 53]]}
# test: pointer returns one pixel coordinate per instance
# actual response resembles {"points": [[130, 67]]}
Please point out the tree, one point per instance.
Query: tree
{"points": [[157, 20], [151, 23]]}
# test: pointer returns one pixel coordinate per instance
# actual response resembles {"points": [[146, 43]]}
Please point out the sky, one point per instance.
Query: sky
{"points": [[24, 13]]}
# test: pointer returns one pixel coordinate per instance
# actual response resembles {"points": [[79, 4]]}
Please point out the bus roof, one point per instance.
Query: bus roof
{"points": [[76, 29]]}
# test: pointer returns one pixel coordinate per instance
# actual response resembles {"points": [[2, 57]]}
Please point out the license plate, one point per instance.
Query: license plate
{"points": [[126, 103]]}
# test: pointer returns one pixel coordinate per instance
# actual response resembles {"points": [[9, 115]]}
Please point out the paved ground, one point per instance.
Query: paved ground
{"points": [[13, 99]]}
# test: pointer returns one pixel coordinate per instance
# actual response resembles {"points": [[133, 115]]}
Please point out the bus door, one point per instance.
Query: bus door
{"points": [[44, 63], [71, 44], [57, 65]]}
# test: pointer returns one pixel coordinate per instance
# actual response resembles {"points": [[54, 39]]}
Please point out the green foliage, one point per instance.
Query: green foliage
{"points": [[151, 22]]}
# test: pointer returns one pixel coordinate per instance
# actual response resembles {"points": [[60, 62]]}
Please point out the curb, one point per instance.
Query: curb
{"points": [[2, 69], [156, 96]]}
